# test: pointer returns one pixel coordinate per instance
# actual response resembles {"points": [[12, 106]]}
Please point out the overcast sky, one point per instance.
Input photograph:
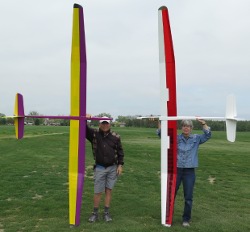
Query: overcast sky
{"points": [[211, 44]]}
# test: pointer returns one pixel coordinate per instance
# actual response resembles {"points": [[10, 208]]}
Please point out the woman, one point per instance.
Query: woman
{"points": [[187, 161]]}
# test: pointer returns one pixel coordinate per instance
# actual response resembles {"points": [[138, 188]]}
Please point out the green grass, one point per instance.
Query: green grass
{"points": [[34, 184]]}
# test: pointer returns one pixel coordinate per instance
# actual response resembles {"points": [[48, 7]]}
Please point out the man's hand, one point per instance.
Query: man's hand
{"points": [[119, 170], [88, 116]]}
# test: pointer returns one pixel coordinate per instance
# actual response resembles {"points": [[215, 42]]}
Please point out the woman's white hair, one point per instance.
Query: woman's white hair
{"points": [[187, 123]]}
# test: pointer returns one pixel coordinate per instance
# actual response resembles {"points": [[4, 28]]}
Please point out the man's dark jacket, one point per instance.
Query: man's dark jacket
{"points": [[107, 147]]}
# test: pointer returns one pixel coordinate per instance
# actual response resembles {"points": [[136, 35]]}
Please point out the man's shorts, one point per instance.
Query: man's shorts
{"points": [[104, 178]]}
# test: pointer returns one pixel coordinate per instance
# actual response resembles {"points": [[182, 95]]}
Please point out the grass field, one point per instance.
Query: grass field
{"points": [[34, 184]]}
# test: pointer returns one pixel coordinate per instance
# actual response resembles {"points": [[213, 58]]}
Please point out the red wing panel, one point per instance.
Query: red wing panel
{"points": [[172, 111]]}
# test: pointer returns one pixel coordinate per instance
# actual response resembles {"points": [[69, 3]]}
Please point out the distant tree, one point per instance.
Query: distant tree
{"points": [[64, 122], [2, 120], [247, 125], [10, 121], [35, 121], [121, 118], [104, 115], [243, 126], [132, 121], [33, 113]]}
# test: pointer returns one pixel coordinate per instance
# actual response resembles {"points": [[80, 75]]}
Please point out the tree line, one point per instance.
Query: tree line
{"points": [[127, 121]]}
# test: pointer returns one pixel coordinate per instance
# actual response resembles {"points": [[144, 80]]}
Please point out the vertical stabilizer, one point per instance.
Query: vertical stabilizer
{"points": [[231, 111], [231, 121], [231, 129]]}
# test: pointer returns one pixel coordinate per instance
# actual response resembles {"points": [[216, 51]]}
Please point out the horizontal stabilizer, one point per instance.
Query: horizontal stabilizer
{"points": [[19, 116]]}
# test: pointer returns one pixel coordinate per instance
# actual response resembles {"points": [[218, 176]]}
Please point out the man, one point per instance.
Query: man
{"points": [[187, 161], [108, 155]]}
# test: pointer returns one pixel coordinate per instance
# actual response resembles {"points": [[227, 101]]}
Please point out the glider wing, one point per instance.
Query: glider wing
{"points": [[168, 108], [78, 108]]}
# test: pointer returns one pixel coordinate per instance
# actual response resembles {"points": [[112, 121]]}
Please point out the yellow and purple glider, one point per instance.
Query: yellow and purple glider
{"points": [[77, 116]]}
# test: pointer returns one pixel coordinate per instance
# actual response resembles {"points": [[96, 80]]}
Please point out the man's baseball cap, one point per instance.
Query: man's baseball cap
{"points": [[104, 120]]}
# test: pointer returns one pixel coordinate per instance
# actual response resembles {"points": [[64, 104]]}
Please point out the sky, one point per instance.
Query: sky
{"points": [[211, 45]]}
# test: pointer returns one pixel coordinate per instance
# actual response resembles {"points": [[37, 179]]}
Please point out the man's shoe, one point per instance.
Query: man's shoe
{"points": [[107, 217], [93, 217], [185, 224]]}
